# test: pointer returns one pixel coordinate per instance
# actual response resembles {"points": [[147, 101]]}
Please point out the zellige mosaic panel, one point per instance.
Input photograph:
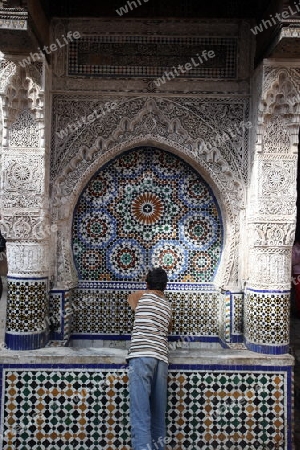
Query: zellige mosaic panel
{"points": [[76, 409]]}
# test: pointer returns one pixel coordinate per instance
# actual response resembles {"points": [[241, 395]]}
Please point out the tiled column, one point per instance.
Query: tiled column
{"points": [[272, 213], [27, 303], [24, 205]]}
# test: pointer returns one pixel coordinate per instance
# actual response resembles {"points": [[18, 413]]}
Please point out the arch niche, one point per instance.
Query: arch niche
{"points": [[192, 293], [228, 193], [147, 208]]}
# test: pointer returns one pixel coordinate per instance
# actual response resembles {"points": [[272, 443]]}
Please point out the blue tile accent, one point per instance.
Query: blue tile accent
{"points": [[22, 278], [107, 337], [237, 339], [134, 286], [24, 341], [267, 349], [267, 291]]}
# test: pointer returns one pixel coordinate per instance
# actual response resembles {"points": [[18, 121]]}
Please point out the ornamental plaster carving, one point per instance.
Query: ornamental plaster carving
{"points": [[26, 227], [24, 132], [273, 234], [28, 258], [182, 126], [257, 130], [23, 104], [270, 268], [280, 92], [18, 202], [66, 275], [219, 125], [279, 109], [7, 70], [277, 187], [23, 173], [22, 182], [276, 137]]}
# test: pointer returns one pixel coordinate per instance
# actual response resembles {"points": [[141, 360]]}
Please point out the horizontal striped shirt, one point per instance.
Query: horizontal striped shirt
{"points": [[150, 330]]}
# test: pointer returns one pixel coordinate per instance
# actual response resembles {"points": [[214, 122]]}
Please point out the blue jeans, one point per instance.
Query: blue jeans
{"points": [[148, 402]]}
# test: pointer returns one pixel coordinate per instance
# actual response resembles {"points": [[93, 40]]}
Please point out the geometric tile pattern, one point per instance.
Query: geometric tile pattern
{"points": [[142, 56], [103, 312], [266, 318], [231, 310], [238, 310], [210, 410], [227, 317], [67, 314], [107, 312], [27, 305], [143, 209], [89, 408], [194, 313], [60, 315], [55, 309], [48, 410]]}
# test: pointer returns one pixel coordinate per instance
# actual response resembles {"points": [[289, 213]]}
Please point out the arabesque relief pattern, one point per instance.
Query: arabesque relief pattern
{"points": [[25, 216], [188, 127], [272, 208], [272, 211], [24, 204], [211, 134]]}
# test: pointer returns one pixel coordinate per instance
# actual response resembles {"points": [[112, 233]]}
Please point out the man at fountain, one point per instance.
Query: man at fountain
{"points": [[148, 363]]}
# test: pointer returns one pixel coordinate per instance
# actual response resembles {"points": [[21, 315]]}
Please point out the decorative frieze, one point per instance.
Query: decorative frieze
{"points": [[273, 234], [28, 258], [270, 268]]}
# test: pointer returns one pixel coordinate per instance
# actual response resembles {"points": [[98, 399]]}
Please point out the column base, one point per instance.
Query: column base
{"points": [[27, 307], [266, 321]]}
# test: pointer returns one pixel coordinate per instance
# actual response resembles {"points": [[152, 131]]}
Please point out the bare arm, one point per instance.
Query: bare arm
{"points": [[134, 298], [170, 325]]}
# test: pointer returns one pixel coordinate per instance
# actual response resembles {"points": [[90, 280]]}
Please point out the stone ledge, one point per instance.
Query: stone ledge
{"points": [[87, 356]]}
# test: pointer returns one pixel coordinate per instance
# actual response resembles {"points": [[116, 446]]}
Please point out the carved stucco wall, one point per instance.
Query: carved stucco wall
{"points": [[202, 122], [24, 200], [271, 209], [252, 172], [23, 182], [185, 127]]}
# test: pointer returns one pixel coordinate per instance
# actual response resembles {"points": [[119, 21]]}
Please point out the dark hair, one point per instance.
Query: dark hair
{"points": [[157, 278]]}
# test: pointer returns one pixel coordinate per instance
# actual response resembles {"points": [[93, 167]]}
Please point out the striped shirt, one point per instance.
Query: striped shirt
{"points": [[150, 330]]}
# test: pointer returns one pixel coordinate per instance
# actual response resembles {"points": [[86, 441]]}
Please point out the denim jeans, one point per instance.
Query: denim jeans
{"points": [[148, 402]]}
